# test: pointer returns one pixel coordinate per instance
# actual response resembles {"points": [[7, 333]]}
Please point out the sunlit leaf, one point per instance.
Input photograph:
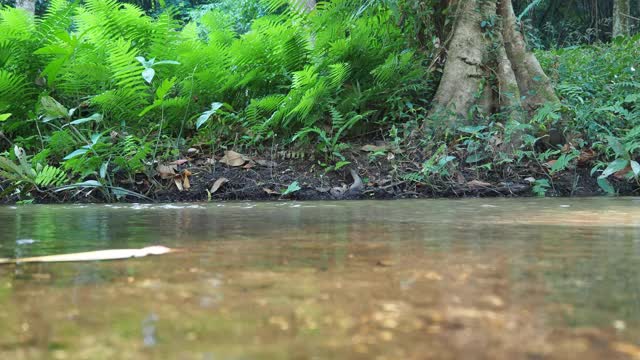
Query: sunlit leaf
{"points": [[95, 117], [207, 114], [295, 186], [76, 153], [148, 74], [614, 167], [635, 167]]}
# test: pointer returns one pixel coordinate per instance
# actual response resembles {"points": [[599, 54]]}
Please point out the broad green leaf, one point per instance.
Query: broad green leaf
{"points": [[148, 74], [52, 109], [95, 117], [614, 167], [635, 167], [143, 61], [292, 188], [606, 186], [76, 153], [95, 138], [207, 114], [476, 157], [341, 164], [617, 147], [4, 117]]}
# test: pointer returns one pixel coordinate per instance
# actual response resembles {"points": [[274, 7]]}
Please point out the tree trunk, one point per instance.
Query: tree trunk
{"points": [[621, 12], [28, 5], [488, 67]]}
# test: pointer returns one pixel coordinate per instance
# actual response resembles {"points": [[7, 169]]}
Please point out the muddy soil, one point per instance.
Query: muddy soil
{"points": [[366, 175]]}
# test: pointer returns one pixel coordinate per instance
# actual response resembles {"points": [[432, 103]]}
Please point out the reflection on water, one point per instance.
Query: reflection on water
{"points": [[494, 279]]}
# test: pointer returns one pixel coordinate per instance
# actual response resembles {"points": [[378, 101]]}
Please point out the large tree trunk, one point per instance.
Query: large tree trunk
{"points": [[28, 5], [488, 67], [621, 13]]}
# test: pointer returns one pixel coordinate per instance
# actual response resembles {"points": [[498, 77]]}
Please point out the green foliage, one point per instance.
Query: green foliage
{"points": [[246, 71], [25, 177], [600, 89], [540, 187], [292, 188]]}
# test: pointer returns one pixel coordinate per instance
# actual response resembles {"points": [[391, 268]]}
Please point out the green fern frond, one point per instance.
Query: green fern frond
{"points": [[12, 89], [50, 176], [338, 74]]}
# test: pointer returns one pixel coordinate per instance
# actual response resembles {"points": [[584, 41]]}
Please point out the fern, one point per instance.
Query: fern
{"points": [[130, 90], [12, 89], [50, 176]]}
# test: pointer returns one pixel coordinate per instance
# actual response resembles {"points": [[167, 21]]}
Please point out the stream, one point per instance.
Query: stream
{"points": [[416, 279]]}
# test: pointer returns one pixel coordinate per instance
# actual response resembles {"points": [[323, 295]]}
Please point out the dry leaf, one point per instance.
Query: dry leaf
{"points": [[270, 192], [628, 349], [249, 165], [622, 173], [216, 185], [179, 162], [166, 171], [475, 184], [186, 184], [373, 148], [586, 156], [233, 158], [178, 181], [550, 163]]}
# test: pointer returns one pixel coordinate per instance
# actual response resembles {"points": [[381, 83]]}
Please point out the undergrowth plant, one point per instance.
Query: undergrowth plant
{"points": [[100, 78]]}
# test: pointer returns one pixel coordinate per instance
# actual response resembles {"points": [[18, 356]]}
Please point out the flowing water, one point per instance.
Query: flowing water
{"points": [[441, 279]]}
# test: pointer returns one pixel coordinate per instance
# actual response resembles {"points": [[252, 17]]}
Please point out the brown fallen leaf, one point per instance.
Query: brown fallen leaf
{"points": [[628, 349], [549, 164], [249, 165], [186, 184], [622, 173], [233, 158], [179, 162], [475, 184], [166, 171], [178, 181], [586, 156], [216, 185], [270, 192]]}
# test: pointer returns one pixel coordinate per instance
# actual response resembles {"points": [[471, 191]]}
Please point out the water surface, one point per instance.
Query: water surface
{"points": [[438, 279]]}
